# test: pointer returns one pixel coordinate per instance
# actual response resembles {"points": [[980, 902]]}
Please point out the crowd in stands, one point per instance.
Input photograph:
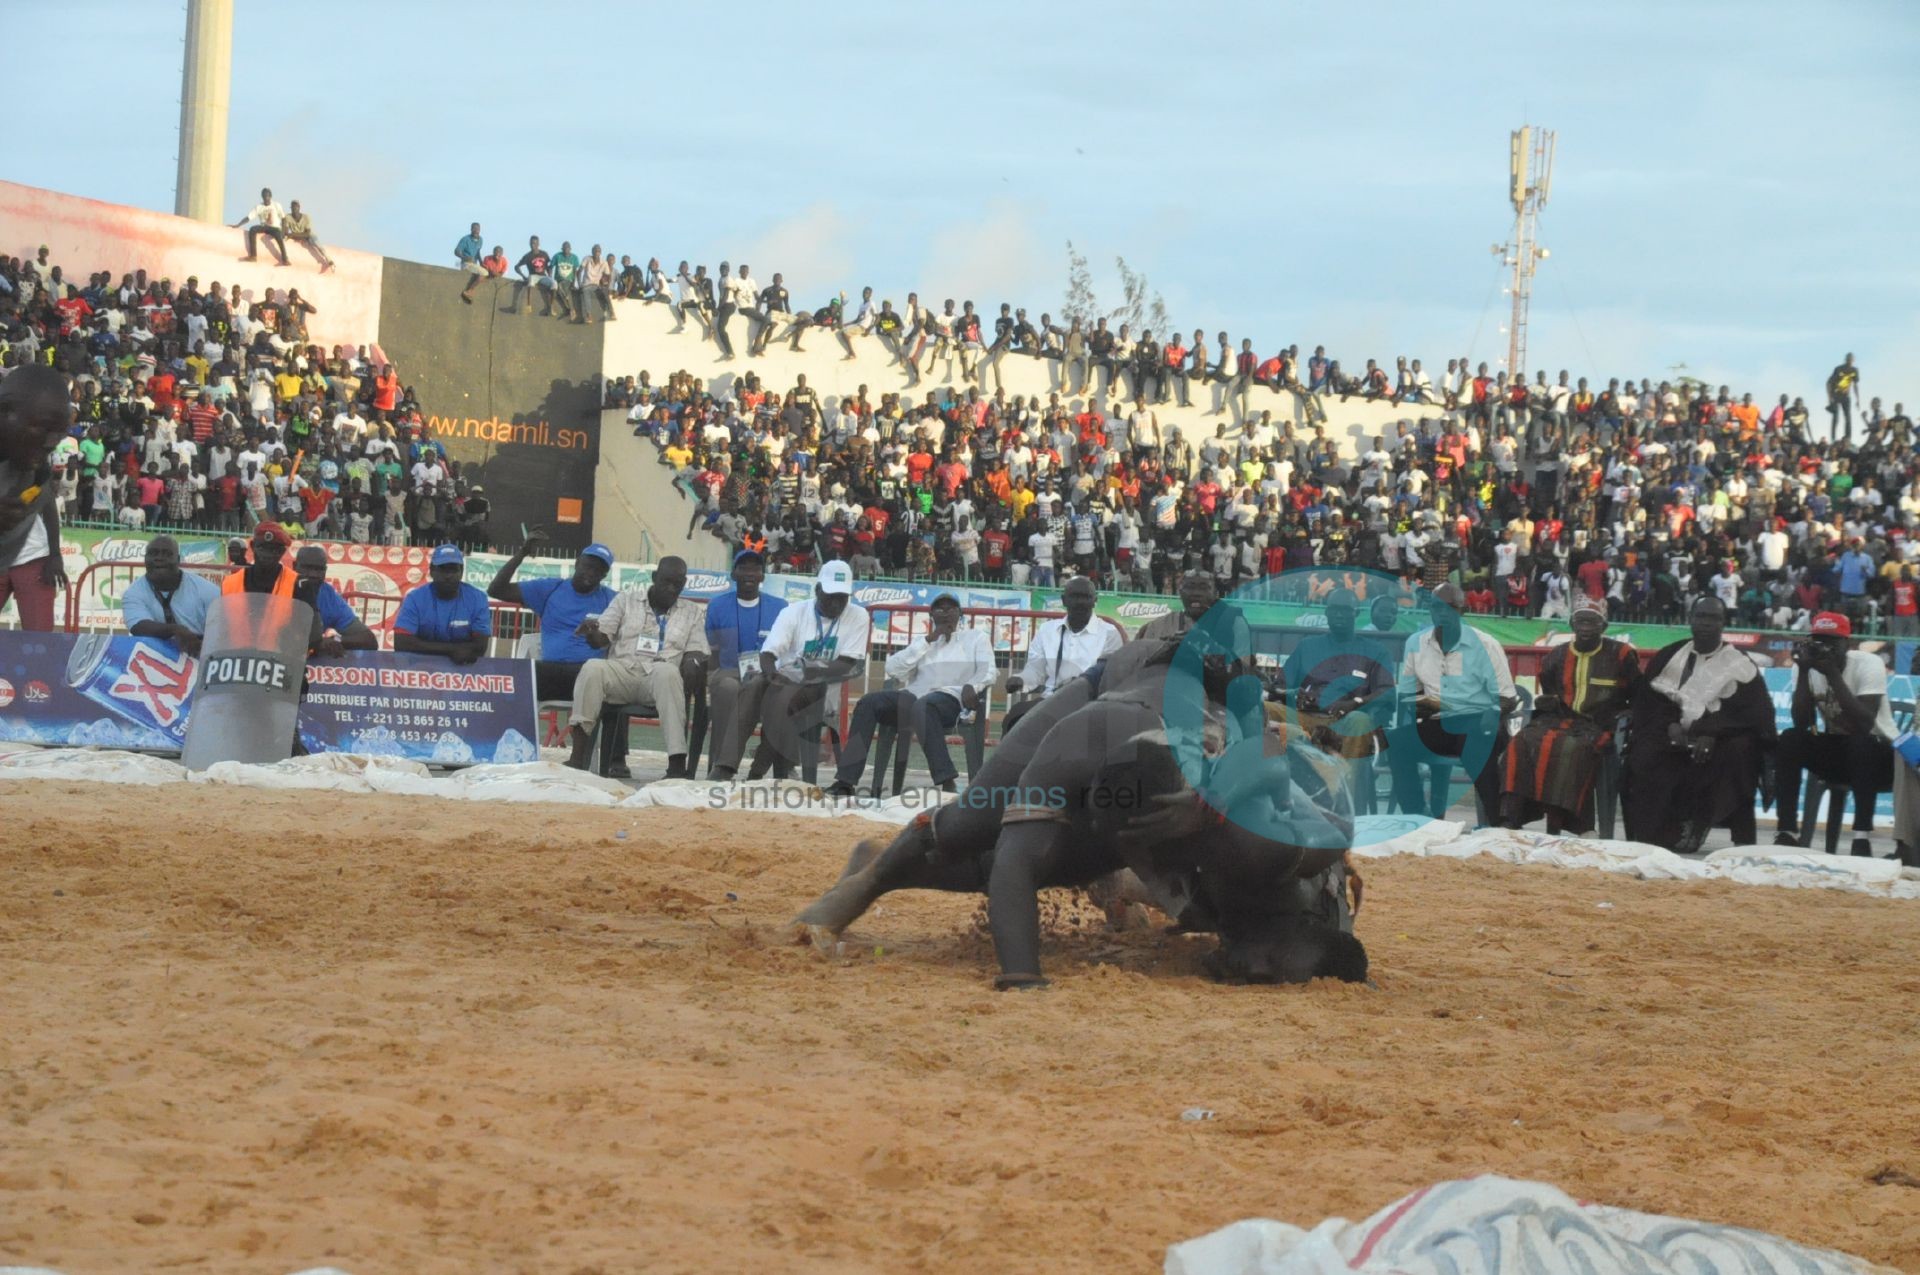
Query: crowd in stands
{"points": [[1528, 493], [200, 409]]}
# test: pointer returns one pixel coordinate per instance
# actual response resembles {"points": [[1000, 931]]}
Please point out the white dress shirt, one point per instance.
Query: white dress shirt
{"points": [[1057, 654], [946, 666], [1472, 677]]}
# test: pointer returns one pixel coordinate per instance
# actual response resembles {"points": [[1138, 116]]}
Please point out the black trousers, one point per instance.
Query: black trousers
{"points": [[1861, 764], [1431, 738], [929, 717], [553, 680]]}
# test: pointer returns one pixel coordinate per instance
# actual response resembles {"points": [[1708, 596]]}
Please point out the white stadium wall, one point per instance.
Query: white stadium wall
{"points": [[85, 236], [643, 339]]}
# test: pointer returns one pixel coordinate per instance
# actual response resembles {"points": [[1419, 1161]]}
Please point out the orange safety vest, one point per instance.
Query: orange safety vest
{"points": [[276, 616], [236, 582]]}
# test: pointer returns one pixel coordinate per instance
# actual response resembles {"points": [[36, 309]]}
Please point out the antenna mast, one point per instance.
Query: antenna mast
{"points": [[1529, 180]]}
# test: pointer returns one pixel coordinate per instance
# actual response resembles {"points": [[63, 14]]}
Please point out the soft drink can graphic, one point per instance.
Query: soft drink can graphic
{"points": [[144, 684]]}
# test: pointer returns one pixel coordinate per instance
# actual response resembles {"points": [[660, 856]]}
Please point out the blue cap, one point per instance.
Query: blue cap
{"points": [[755, 554], [448, 555], [598, 550]]}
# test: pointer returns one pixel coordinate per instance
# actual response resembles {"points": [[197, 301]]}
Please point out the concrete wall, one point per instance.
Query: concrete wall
{"points": [[636, 509], [87, 236], [643, 339]]}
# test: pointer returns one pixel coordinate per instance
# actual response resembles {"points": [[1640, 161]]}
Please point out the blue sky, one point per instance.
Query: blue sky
{"points": [[1735, 188]]}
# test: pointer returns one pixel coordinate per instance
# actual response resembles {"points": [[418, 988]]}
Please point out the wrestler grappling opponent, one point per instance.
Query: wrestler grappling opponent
{"points": [[1087, 784]]}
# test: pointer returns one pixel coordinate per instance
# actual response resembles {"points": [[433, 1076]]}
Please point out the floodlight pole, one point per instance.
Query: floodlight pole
{"points": [[206, 79]]}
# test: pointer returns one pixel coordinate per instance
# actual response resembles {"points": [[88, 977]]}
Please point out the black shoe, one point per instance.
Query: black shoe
{"points": [[618, 771], [1787, 837], [677, 766], [839, 788], [1862, 848], [946, 785], [721, 774]]}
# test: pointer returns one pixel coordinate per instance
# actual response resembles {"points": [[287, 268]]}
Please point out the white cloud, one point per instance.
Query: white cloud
{"points": [[992, 259], [813, 249]]}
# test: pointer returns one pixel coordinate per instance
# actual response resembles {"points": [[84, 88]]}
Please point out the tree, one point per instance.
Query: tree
{"points": [[1080, 304], [1142, 307]]}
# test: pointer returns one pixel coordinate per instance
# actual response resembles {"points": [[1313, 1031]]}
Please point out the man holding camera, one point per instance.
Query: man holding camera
{"points": [[1852, 749]]}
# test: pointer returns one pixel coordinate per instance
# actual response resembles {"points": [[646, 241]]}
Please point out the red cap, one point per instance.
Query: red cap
{"points": [[1832, 624]]}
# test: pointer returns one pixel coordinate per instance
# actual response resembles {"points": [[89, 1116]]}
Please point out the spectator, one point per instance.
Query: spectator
{"points": [[265, 219], [1062, 649], [1341, 683], [1553, 764], [1460, 688], [299, 228], [655, 642], [468, 252], [535, 269], [561, 606], [445, 616], [1844, 694], [809, 650], [169, 604], [338, 626], [944, 675], [738, 624], [596, 282], [1701, 721], [1843, 392]]}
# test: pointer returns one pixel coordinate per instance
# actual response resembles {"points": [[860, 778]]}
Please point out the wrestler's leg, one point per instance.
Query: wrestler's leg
{"points": [[906, 864]]}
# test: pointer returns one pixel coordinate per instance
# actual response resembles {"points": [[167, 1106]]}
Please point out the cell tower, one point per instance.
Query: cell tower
{"points": [[1529, 178], [200, 187]]}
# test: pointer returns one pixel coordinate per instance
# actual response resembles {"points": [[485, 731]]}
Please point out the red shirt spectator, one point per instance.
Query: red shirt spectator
{"points": [[1906, 597], [386, 390], [993, 548]]}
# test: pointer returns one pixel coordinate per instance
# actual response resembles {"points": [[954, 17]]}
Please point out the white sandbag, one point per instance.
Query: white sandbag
{"points": [[535, 781], [95, 765], [1498, 1226], [1381, 836], [284, 776]]}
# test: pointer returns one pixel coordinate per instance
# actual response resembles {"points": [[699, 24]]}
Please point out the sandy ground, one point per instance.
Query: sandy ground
{"points": [[248, 1032]]}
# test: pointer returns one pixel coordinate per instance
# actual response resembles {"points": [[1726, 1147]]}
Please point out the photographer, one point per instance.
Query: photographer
{"points": [[1853, 750]]}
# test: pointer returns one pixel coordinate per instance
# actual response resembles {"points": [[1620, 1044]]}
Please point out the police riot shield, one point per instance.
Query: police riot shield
{"points": [[246, 700]]}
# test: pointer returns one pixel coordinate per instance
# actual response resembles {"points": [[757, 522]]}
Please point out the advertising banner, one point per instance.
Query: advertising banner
{"points": [[93, 689], [116, 691], [424, 708]]}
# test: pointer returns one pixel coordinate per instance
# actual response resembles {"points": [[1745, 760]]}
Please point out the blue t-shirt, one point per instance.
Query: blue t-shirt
{"points": [[336, 615], [1855, 568], [561, 607], [432, 618], [734, 630]]}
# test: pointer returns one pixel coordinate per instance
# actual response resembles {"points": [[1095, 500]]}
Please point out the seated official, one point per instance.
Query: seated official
{"points": [[1585, 688], [1198, 592], [1342, 684], [338, 628], [943, 673], [445, 616], [561, 605], [1062, 649], [1702, 721], [808, 650], [1852, 748], [738, 623], [169, 604], [1461, 691], [654, 641]]}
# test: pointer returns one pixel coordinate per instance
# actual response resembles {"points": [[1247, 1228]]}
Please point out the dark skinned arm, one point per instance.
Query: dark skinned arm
{"points": [[502, 588], [459, 652], [1860, 711], [1803, 698], [186, 638]]}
